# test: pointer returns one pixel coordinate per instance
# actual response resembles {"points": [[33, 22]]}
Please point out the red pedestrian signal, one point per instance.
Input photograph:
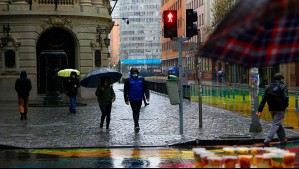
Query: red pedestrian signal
{"points": [[170, 23]]}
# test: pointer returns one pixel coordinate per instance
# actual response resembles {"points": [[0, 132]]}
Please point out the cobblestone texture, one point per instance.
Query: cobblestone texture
{"points": [[55, 127]]}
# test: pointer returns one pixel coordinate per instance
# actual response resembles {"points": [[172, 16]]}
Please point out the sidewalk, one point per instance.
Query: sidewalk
{"points": [[55, 127]]}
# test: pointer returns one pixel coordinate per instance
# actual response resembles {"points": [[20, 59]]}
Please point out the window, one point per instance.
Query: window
{"points": [[10, 59], [97, 58]]}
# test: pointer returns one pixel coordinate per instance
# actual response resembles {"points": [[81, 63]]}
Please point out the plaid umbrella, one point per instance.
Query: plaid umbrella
{"points": [[257, 33]]}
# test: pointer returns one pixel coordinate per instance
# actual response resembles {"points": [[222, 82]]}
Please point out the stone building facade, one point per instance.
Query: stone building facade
{"points": [[40, 35]]}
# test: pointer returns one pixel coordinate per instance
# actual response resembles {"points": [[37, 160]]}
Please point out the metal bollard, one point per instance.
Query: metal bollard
{"points": [[220, 93], [228, 93], [233, 93], [243, 95], [296, 101]]}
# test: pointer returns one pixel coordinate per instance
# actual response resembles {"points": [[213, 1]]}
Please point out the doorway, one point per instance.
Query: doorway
{"points": [[62, 43]]}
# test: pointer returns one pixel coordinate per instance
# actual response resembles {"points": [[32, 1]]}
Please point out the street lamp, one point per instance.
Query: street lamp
{"points": [[5, 38], [103, 31]]}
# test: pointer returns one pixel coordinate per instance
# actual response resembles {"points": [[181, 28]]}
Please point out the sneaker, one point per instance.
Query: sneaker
{"points": [[137, 129], [267, 144]]}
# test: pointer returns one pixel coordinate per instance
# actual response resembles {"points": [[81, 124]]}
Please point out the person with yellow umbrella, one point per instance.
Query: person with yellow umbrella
{"points": [[71, 86]]}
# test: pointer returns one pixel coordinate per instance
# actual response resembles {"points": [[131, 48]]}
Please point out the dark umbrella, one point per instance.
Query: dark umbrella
{"points": [[145, 73], [257, 33], [93, 79]]}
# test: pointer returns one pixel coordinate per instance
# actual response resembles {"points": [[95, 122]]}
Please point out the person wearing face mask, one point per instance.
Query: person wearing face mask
{"points": [[134, 90], [106, 97], [72, 85]]}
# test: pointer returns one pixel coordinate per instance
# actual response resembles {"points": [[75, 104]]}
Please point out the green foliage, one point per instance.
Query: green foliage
{"points": [[220, 9]]}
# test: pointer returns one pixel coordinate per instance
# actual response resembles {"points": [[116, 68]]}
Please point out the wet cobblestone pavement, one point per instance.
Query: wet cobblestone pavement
{"points": [[55, 127]]}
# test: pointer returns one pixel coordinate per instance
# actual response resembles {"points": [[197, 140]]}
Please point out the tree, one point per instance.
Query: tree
{"points": [[220, 9]]}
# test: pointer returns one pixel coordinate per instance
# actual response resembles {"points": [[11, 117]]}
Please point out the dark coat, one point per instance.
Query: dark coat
{"points": [[23, 85], [72, 84], [274, 106]]}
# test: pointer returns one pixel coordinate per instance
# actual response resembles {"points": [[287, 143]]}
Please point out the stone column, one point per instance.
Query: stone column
{"points": [[85, 2], [98, 3]]}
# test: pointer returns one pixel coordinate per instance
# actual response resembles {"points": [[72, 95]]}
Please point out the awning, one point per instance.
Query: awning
{"points": [[141, 61]]}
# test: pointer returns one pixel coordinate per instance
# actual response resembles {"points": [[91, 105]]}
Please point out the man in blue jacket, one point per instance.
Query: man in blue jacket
{"points": [[134, 90]]}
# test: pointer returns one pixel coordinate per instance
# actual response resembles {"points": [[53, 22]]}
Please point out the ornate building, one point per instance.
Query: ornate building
{"points": [[43, 35]]}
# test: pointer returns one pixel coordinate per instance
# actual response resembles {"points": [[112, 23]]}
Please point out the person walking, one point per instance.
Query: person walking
{"points": [[106, 97], [72, 86], [23, 87], [276, 95], [134, 90]]}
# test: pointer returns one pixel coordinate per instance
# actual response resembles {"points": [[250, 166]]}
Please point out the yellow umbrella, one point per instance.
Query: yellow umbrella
{"points": [[67, 72]]}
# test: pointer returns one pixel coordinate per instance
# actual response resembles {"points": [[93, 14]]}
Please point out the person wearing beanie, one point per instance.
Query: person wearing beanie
{"points": [[276, 96]]}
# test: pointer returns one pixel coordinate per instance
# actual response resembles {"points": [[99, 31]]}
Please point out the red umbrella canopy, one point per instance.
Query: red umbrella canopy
{"points": [[257, 33]]}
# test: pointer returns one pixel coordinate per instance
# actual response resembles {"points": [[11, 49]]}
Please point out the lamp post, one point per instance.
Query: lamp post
{"points": [[5, 38], [152, 56]]}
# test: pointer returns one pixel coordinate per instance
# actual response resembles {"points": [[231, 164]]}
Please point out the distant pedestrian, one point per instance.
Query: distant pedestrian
{"points": [[106, 97], [23, 87], [221, 76], [72, 86], [134, 90], [276, 95]]}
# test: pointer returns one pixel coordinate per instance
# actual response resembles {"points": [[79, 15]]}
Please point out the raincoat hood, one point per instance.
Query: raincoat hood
{"points": [[134, 70], [73, 73], [23, 74]]}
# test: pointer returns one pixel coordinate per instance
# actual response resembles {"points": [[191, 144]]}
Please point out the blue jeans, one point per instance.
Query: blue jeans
{"points": [[73, 104]]}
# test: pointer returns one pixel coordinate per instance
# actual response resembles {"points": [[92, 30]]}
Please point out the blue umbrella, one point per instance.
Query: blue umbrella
{"points": [[173, 69], [93, 79]]}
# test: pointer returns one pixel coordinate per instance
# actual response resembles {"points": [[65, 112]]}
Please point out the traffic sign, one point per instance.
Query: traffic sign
{"points": [[186, 46]]}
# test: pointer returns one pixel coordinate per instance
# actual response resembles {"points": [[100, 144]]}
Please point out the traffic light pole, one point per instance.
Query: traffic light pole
{"points": [[180, 41]]}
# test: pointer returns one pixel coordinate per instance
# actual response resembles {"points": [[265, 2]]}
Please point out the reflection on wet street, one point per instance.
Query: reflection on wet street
{"points": [[97, 158], [108, 157]]}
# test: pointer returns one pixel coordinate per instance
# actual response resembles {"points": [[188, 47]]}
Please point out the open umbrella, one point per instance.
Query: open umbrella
{"points": [[67, 72], [93, 79], [145, 73], [257, 33]]}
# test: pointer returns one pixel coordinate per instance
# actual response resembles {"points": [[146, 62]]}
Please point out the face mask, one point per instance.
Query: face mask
{"points": [[134, 75], [73, 76]]}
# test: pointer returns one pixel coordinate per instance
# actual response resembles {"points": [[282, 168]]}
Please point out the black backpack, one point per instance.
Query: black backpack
{"points": [[275, 94]]}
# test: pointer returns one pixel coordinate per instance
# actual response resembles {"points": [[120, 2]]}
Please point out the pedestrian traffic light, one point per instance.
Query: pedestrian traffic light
{"points": [[191, 28], [170, 23]]}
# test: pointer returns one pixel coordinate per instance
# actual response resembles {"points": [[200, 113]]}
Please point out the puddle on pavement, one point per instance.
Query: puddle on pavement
{"points": [[108, 157]]}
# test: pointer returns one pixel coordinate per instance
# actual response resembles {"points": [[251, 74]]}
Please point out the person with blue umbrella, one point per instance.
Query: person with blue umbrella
{"points": [[106, 96]]}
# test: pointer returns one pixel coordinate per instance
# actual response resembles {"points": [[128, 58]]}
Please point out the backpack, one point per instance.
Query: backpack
{"points": [[275, 94]]}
